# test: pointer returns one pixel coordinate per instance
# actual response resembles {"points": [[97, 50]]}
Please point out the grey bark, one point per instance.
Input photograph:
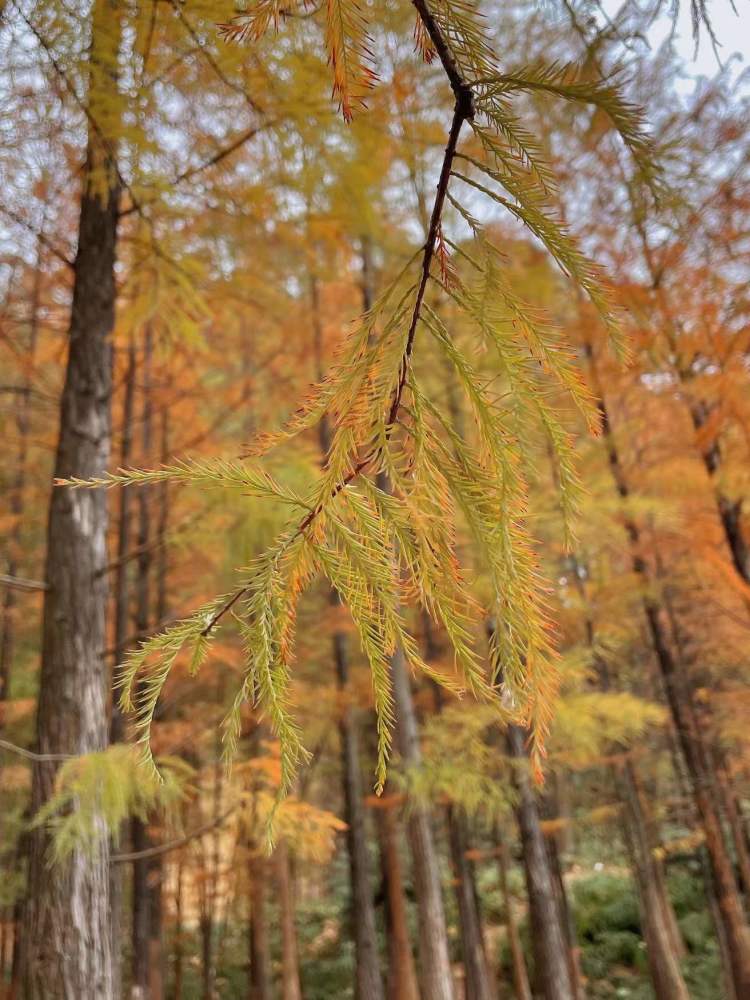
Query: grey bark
{"points": [[67, 933]]}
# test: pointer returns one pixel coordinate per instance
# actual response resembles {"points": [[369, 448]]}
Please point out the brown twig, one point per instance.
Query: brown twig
{"points": [[172, 845], [22, 583], [31, 755]]}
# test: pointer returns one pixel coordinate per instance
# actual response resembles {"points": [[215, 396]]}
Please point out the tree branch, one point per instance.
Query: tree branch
{"points": [[21, 583], [172, 845], [30, 755], [463, 111]]}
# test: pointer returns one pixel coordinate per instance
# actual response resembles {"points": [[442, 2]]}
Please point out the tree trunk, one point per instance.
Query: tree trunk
{"points": [[657, 916], [369, 982], [402, 979], [179, 944], [678, 696], [259, 978], [730, 511], [434, 962], [551, 953], [477, 979], [122, 624], [17, 500], [478, 984], [290, 981], [148, 979], [362, 917], [8, 617], [734, 821], [68, 918], [520, 972], [551, 811]]}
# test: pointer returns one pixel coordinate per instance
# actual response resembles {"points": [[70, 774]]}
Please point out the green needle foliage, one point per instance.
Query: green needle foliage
{"points": [[400, 484]]}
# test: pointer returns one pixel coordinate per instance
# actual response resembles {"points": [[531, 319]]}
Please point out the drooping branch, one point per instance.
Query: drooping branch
{"points": [[463, 111]]}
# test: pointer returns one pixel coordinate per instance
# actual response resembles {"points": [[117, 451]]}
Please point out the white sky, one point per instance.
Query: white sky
{"points": [[732, 30]]}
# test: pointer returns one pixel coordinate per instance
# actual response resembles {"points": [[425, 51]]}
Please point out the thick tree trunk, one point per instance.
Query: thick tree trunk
{"points": [[434, 962], [290, 981], [657, 916], [551, 953], [520, 972], [687, 727], [259, 978], [478, 982], [402, 979], [68, 918]]}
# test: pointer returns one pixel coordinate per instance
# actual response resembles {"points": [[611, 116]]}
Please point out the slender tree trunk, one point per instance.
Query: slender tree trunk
{"points": [[290, 980], [477, 979], [259, 978], [122, 623], [656, 911], [68, 918], [140, 912], [518, 959], [179, 944], [551, 953], [362, 915], [478, 982], [678, 696], [148, 979], [367, 958], [8, 613], [734, 821], [566, 916], [122, 576], [402, 978], [434, 961], [730, 511], [17, 499], [720, 927]]}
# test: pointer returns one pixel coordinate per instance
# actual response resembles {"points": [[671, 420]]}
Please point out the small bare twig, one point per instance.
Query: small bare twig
{"points": [[38, 758], [22, 583]]}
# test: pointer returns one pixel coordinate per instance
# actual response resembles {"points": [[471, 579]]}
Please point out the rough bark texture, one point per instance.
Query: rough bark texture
{"points": [[551, 953], [67, 936], [434, 963], [402, 978], [478, 982]]}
